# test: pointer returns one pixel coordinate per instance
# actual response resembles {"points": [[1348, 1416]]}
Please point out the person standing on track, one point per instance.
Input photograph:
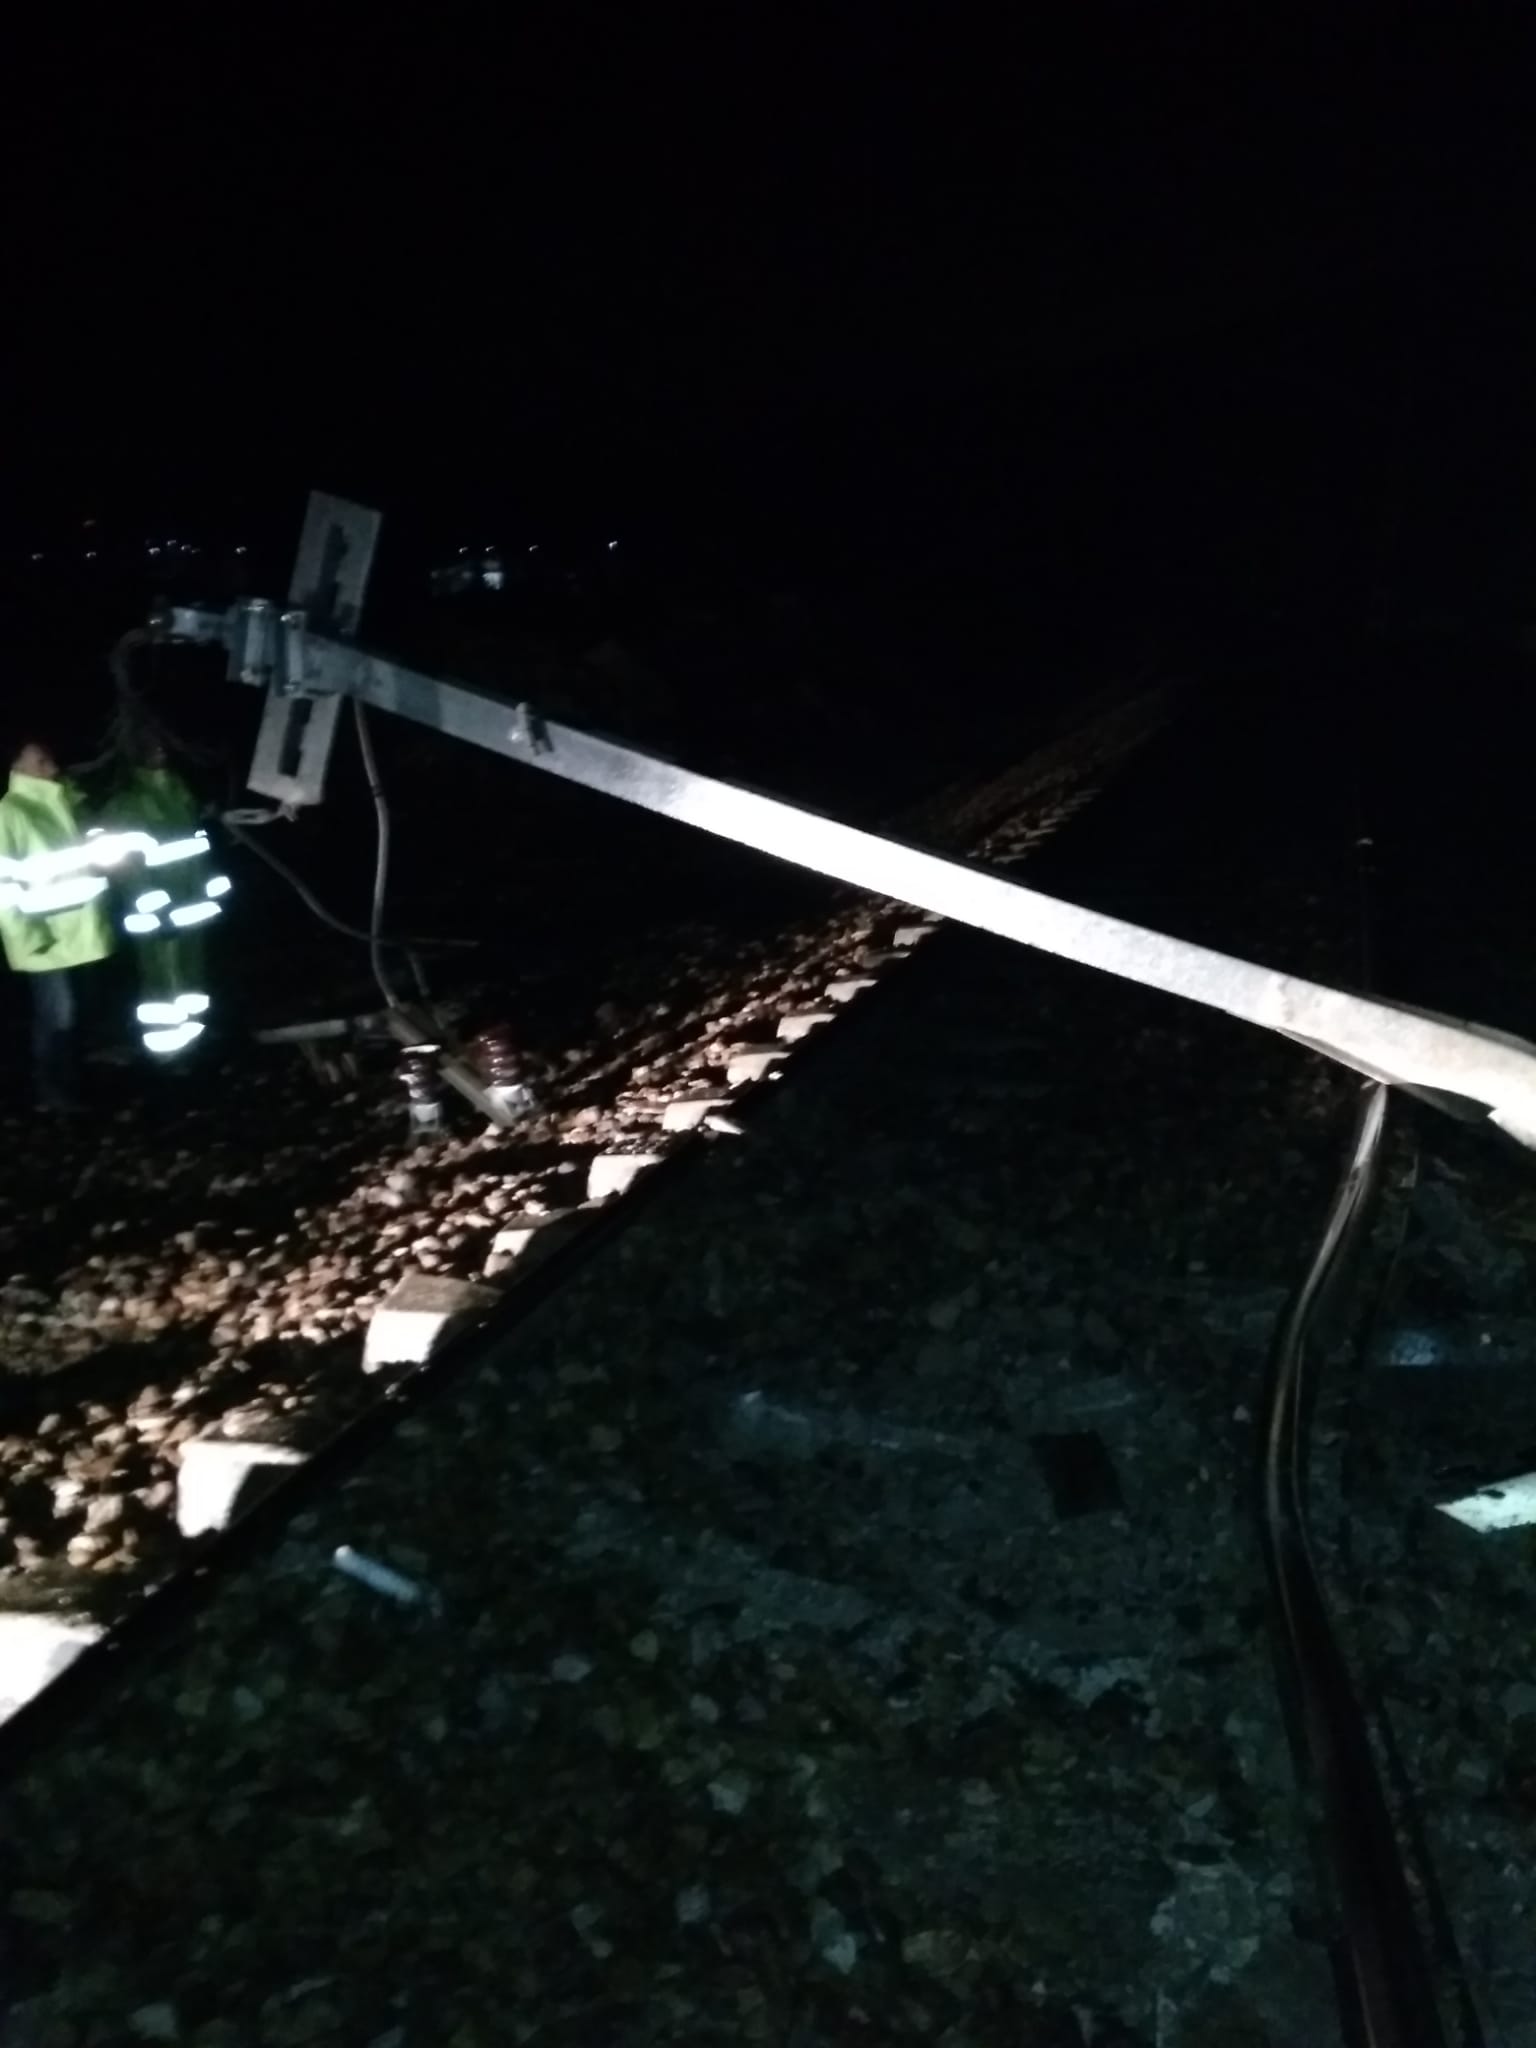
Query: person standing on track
{"points": [[53, 913], [174, 892]]}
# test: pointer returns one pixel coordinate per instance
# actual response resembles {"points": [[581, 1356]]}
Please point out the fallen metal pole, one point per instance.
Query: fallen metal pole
{"points": [[1460, 1066]]}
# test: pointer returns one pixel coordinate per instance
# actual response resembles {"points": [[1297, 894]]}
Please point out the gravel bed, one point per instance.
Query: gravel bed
{"points": [[1439, 1619], [206, 1259], [845, 1618], [849, 1626], [220, 1269]]}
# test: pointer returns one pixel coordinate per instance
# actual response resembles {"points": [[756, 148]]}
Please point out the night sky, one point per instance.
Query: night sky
{"points": [[1175, 291]]}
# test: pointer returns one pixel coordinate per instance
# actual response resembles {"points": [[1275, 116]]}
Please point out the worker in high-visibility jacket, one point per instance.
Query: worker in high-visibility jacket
{"points": [[53, 912], [171, 890]]}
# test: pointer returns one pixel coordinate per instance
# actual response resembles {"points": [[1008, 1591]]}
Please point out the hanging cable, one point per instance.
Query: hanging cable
{"points": [[135, 729], [381, 861], [238, 827], [237, 831]]}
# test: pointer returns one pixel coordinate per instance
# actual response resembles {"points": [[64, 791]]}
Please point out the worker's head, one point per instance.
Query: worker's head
{"points": [[35, 757]]}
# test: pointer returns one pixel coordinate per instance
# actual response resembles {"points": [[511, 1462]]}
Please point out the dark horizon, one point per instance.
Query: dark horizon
{"points": [[1193, 328]]}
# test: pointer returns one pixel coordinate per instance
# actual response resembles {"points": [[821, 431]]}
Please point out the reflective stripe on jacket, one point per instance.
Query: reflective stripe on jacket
{"points": [[53, 909], [176, 889], [171, 895]]}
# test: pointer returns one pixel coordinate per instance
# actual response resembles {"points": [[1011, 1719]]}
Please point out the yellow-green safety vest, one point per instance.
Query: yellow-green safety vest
{"points": [[53, 908]]}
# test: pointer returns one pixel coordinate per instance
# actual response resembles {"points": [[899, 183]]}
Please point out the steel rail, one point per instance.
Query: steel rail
{"points": [[154, 1620], [164, 1607], [155, 1615], [1381, 1972]]}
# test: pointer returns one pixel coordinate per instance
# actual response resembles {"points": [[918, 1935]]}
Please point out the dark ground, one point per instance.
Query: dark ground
{"points": [[914, 373], [793, 1662]]}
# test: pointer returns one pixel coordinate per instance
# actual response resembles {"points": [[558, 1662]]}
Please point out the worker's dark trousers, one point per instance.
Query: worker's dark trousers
{"points": [[53, 1037]]}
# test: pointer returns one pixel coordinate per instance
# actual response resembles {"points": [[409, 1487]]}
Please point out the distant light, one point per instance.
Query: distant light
{"points": [[90, 554], [152, 899], [612, 545], [138, 921], [194, 1004], [37, 555], [534, 549], [463, 551], [493, 578], [242, 550], [154, 548], [218, 885]]}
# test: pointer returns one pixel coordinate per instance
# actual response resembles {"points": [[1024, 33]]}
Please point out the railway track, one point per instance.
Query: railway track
{"points": [[877, 1493], [213, 1272], [833, 1569]]}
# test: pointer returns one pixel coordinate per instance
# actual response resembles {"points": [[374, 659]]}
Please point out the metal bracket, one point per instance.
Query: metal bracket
{"points": [[527, 731], [325, 596], [500, 1106], [253, 641]]}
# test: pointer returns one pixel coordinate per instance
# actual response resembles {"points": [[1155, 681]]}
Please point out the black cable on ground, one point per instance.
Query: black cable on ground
{"points": [[1411, 1821], [1383, 1979], [1382, 1974], [1405, 1797], [1406, 1803]]}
